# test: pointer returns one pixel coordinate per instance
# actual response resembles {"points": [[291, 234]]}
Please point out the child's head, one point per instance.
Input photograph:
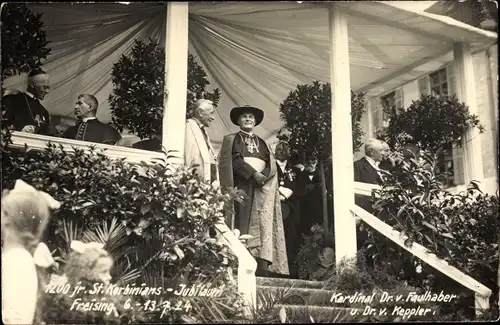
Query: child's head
{"points": [[88, 261], [25, 214]]}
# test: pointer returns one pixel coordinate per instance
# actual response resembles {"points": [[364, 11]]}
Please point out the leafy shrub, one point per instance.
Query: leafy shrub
{"points": [[457, 228], [306, 112], [411, 199], [5, 141], [154, 219], [138, 79], [432, 122], [24, 43], [316, 257], [6, 134]]}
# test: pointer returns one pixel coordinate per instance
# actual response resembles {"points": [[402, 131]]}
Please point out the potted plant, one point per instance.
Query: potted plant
{"points": [[306, 112], [431, 122], [24, 43], [138, 89], [435, 124], [24, 46]]}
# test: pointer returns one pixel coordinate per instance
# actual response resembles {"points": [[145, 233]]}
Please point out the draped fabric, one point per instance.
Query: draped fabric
{"points": [[255, 52]]}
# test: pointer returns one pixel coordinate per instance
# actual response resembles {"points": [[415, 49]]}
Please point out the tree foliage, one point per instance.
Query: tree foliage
{"points": [[454, 227], [307, 114], [24, 43], [137, 99], [167, 212], [431, 122]]}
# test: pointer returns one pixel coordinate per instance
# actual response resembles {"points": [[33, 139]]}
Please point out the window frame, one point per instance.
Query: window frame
{"points": [[443, 83], [384, 100], [450, 155], [378, 116]]}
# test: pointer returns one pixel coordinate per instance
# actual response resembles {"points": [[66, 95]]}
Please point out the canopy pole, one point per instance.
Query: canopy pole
{"points": [[175, 86], [466, 92], [342, 152]]}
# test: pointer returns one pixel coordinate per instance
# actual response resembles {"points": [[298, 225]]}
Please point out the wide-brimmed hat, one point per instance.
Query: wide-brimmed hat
{"points": [[237, 111]]}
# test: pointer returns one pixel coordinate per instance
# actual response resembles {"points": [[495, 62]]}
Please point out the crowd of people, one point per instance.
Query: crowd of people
{"points": [[280, 189]]}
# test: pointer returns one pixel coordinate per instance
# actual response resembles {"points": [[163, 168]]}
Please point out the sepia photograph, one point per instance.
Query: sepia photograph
{"points": [[248, 162]]}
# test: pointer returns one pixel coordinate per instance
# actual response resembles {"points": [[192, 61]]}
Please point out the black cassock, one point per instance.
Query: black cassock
{"points": [[243, 176], [22, 110], [311, 203], [293, 179], [93, 131]]}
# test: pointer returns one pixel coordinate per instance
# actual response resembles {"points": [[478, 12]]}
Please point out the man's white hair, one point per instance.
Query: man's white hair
{"points": [[199, 106], [372, 145], [200, 103]]}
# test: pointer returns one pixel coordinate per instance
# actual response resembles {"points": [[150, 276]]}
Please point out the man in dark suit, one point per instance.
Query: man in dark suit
{"points": [[292, 189], [24, 112], [366, 170], [89, 128], [311, 204]]}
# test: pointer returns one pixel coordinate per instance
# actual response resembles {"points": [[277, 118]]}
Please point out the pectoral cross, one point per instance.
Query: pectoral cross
{"points": [[251, 146], [38, 120]]}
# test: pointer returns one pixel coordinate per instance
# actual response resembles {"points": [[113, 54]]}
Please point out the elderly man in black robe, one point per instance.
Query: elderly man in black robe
{"points": [[247, 163], [24, 112]]}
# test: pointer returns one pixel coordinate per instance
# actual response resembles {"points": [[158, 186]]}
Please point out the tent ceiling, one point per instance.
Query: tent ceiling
{"points": [[255, 52]]}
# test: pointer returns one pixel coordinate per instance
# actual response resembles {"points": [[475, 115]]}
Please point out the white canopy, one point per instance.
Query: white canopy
{"points": [[255, 52]]}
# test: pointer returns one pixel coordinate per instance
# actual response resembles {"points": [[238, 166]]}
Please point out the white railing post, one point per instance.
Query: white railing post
{"points": [[482, 294], [176, 69], [342, 152], [247, 283], [466, 92]]}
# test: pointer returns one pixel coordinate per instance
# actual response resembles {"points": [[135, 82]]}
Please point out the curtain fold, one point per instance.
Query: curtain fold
{"points": [[256, 53]]}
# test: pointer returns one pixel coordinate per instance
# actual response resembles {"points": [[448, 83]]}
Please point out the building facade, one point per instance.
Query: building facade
{"points": [[442, 82]]}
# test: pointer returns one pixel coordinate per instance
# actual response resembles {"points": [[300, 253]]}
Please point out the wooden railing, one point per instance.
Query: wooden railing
{"points": [[39, 142], [247, 285], [246, 263], [482, 293]]}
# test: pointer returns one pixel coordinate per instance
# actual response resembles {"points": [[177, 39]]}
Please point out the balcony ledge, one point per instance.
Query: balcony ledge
{"points": [[39, 142]]}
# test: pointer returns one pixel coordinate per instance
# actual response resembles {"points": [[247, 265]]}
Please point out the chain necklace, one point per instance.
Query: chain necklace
{"points": [[36, 118], [250, 143]]}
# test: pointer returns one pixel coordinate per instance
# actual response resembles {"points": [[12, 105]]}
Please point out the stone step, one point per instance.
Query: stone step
{"points": [[302, 296], [305, 301], [318, 314], [286, 283]]}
